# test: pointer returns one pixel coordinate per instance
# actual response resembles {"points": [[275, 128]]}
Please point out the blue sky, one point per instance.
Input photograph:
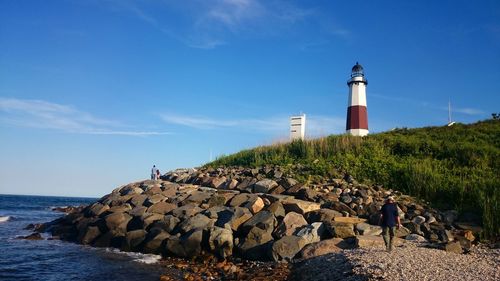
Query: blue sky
{"points": [[93, 93]]}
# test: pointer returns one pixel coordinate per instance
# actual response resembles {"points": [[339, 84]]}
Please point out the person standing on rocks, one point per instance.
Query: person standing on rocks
{"points": [[390, 222], [154, 171]]}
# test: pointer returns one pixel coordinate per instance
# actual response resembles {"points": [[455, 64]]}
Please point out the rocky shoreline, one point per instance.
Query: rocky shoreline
{"points": [[253, 214]]}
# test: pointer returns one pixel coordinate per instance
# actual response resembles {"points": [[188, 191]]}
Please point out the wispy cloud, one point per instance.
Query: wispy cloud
{"points": [[462, 110], [316, 125], [46, 115], [207, 24]]}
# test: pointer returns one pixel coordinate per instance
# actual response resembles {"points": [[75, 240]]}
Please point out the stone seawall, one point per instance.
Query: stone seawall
{"points": [[257, 214]]}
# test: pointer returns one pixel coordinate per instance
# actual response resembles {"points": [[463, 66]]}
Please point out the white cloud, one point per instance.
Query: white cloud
{"points": [[46, 115], [207, 24]]}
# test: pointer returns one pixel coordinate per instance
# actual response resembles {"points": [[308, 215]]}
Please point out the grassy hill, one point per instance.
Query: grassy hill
{"points": [[452, 167]]}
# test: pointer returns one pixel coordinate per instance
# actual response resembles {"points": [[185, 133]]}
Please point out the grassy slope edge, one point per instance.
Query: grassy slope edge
{"points": [[451, 167]]}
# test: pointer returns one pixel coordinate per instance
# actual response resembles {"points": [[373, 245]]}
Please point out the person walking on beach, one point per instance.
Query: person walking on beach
{"points": [[390, 222], [154, 173]]}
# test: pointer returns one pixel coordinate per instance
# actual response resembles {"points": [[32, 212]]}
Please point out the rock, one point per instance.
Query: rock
{"points": [[133, 240], [218, 182], [278, 190], [135, 223], [402, 232], [89, 235], [233, 218], [153, 199], [97, 209], [299, 206], [289, 182], [188, 245], [341, 207], [418, 220], [322, 248], [167, 223], [263, 220], [198, 197], [414, 228], [161, 208], [287, 247], [352, 220], [290, 223], [170, 190], [138, 211], [453, 247], [340, 229], [216, 200], [154, 241], [254, 204], [186, 211], [241, 199], [220, 242], [415, 238], [117, 222], [138, 200], [255, 245], [346, 199], [264, 186], [276, 209], [199, 221], [32, 236], [151, 218], [231, 184], [322, 215], [368, 229], [311, 233]]}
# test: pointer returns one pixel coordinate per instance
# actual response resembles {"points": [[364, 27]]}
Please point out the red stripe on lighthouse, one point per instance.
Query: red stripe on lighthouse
{"points": [[357, 117]]}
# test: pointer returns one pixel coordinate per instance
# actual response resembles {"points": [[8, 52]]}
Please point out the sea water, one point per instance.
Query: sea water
{"points": [[58, 260]]}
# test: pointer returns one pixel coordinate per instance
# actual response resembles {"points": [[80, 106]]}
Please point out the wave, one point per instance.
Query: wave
{"points": [[137, 257], [4, 219]]}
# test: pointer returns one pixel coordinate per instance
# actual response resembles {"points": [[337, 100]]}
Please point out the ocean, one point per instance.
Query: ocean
{"points": [[58, 260]]}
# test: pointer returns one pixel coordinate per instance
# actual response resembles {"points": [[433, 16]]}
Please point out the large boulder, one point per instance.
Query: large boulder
{"points": [[186, 211], [340, 229], [254, 204], [264, 220], [311, 233], [264, 186], [96, 209], [287, 247], [161, 208], [117, 222], [328, 246], [91, 233], [133, 240], [232, 218], [199, 221], [289, 224], [368, 229], [220, 241], [322, 215], [188, 245], [154, 241], [300, 206], [256, 243]]}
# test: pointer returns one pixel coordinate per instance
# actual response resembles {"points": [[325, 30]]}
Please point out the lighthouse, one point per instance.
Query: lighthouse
{"points": [[357, 116]]}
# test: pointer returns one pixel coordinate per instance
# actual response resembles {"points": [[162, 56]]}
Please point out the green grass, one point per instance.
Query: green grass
{"points": [[451, 167]]}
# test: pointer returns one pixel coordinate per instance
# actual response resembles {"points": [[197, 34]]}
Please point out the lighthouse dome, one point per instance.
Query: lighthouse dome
{"points": [[357, 70]]}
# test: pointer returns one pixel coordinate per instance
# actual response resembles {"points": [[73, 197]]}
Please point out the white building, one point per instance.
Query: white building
{"points": [[297, 127]]}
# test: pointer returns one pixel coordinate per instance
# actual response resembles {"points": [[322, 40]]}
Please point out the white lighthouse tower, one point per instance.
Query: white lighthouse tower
{"points": [[357, 116]]}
